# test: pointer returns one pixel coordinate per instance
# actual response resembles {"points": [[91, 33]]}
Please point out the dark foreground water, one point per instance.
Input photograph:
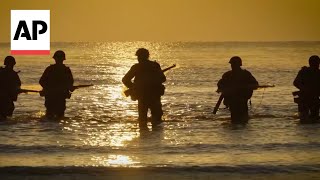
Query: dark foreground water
{"points": [[100, 136]]}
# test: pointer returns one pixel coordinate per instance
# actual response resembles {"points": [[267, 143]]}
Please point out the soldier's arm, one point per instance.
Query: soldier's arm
{"points": [[128, 77], [16, 87], [70, 80], [222, 82], [220, 85], [162, 76], [18, 81], [252, 82], [44, 78], [298, 81]]}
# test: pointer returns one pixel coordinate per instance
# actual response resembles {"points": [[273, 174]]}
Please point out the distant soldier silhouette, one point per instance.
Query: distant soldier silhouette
{"points": [[147, 87], [237, 87], [57, 83], [9, 87], [308, 82]]}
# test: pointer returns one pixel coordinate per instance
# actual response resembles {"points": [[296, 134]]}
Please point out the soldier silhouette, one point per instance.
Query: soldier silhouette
{"points": [[57, 83], [237, 87], [9, 87], [308, 82], [147, 87]]}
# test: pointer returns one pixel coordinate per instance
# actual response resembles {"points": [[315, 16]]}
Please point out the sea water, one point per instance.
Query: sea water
{"points": [[100, 131]]}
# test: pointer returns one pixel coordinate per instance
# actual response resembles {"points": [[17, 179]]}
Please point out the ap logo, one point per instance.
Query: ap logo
{"points": [[30, 32]]}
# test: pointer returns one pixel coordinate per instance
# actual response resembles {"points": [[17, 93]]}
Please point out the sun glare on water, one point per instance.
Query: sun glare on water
{"points": [[116, 161]]}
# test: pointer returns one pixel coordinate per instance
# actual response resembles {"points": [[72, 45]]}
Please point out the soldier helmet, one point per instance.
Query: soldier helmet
{"points": [[314, 60], [142, 52], [59, 55], [236, 60], [9, 60]]}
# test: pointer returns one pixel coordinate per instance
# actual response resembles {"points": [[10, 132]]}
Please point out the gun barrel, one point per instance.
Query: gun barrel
{"points": [[265, 86], [28, 90], [82, 86], [218, 104]]}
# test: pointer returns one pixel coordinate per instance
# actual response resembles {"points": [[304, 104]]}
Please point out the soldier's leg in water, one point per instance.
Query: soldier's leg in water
{"points": [[303, 112], [60, 107], [55, 106], [143, 113], [314, 111], [6, 108], [49, 104], [244, 110], [3, 115], [239, 111], [10, 108], [233, 107], [156, 111]]}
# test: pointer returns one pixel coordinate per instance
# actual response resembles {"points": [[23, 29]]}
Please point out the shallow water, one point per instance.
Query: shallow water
{"points": [[100, 128]]}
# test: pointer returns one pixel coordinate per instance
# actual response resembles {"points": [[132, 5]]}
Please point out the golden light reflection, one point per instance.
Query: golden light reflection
{"points": [[116, 161], [39, 114], [118, 135], [115, 93], [35, 87], [111, 98], [114, 60]]}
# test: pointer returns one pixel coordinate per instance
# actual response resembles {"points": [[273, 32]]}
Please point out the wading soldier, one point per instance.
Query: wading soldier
{"points": [[237, 87], [9, 87], [57, 84], [146, 87], [308, 82]]}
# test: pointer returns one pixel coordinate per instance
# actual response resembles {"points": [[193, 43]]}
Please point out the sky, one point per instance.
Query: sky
{"points": [[173, 20]]}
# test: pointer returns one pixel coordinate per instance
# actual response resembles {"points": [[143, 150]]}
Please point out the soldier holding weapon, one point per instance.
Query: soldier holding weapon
{"points": [[308, 82], [9, 87], [237, 87], [147, 87], [57, 84]]}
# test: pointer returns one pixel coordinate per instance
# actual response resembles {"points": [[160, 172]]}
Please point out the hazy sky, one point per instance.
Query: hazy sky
{"points": [[174, 20]]}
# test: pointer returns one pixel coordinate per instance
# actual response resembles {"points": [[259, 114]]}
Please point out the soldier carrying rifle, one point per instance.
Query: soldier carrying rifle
{"points": [[237, 87], [57, 84], [147, 86], [308, 82], [9, 87]]}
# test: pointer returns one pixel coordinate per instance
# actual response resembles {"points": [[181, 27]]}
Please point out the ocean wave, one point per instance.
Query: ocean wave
{"points": [[246, 169], [161, 149]]}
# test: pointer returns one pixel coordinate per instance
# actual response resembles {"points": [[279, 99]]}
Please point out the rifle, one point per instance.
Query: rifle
{"points": [[42, 92], [82, 86], [216, 107], [27, 91], [130, 91], [265, 86], [296, 93], [218, 104], [168, 68]]}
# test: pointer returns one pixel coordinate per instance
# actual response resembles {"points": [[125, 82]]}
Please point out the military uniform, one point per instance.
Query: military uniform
{"points": [[308, 82], [9, 89], [237, 88], [148, 79], [57, 82]]}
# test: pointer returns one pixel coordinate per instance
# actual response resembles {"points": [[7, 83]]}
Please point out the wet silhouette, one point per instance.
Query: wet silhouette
{"points": [[147, 87], [237, 87], [9, 87], [57, 84], [308, 82]]}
